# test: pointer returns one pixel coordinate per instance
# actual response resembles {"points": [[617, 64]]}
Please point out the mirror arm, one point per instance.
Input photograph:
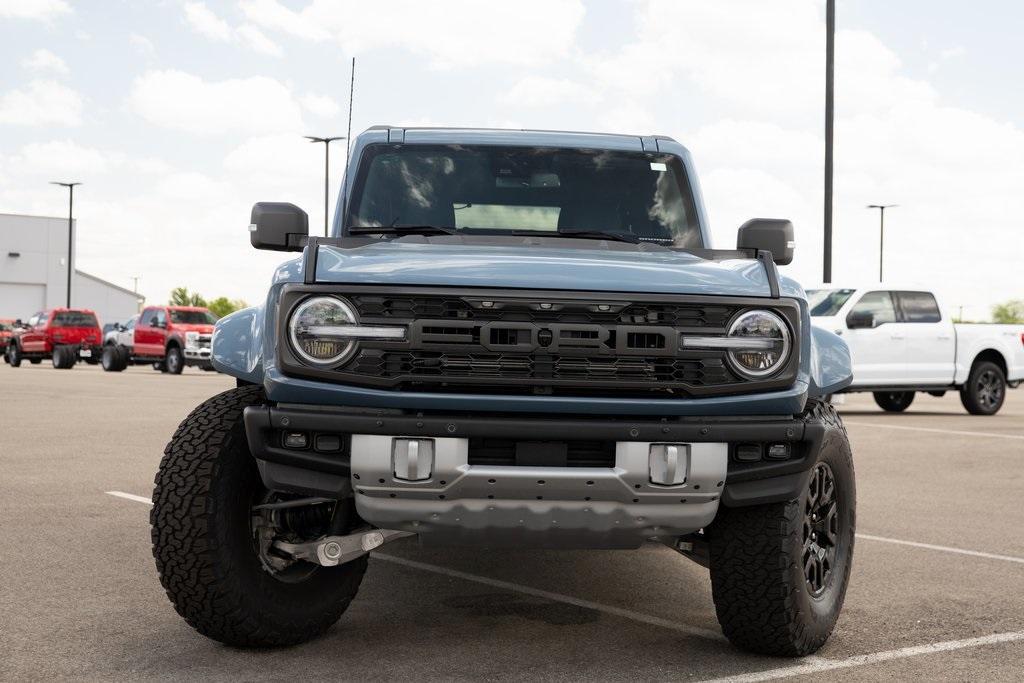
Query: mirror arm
{"points": [[765, 257]]}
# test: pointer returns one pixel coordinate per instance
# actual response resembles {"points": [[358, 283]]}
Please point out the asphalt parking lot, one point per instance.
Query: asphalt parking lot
{"points": [[937, 591]]}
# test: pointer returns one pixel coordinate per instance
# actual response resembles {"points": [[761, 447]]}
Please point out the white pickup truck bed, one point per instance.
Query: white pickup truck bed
{"points": [[902, 341]]}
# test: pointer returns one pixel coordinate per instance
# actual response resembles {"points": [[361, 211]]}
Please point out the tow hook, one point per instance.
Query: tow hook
{"points": [[693, 546], [330, 551]]}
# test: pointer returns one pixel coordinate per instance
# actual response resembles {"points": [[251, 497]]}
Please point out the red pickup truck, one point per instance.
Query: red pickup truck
{"points": [[66, 335], [169, 337]]}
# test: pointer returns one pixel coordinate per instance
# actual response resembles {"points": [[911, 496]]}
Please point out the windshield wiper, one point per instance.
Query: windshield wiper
{"points": [[400, 230], [599, 235]]}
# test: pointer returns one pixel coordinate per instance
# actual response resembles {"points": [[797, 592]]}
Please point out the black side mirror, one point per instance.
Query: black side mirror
{"points": [[768, 234], [18, 323], [859, 320], [278, 226]]}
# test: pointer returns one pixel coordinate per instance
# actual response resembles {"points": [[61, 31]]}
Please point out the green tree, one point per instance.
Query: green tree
{"points": [[222, 305], [1011, 311], [180, 296]]}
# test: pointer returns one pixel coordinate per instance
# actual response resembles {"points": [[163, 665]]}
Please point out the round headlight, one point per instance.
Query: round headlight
{"points": [[310, 337], [769, 344]]}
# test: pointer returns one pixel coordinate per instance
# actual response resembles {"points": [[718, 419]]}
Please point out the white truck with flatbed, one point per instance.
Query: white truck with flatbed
{"points": [[903, 341]]}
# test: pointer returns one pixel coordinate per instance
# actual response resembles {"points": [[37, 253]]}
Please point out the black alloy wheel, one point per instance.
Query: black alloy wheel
{"points": [[821, 529]]}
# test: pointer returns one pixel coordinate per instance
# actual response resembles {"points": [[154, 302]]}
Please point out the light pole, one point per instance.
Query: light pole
{"points": [[830, 52], [881, 232], [71, 206], [327, 169]]}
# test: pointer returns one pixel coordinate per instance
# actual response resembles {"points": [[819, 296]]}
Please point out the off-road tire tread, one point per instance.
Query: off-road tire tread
{"points": [[205, 590], [754, 590]]}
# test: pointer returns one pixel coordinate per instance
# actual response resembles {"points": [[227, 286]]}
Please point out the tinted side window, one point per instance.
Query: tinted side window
{"points": [[161, 316], [879, 304], [919, 307]]}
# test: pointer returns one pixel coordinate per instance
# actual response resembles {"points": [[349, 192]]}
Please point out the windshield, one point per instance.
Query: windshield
{"points": [[826, 302], [74, 319], [495, 190], [192, 317]]}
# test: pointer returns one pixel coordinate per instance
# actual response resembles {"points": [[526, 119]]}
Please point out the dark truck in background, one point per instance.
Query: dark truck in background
{"points": [[514, 339]]}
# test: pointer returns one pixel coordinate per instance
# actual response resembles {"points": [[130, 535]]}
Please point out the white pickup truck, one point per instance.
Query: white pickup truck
{"points": [[903, 342]]}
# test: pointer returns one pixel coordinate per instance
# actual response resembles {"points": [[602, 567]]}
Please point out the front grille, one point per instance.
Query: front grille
{"points": [[432, 366], [546, 343], [503, 452]]}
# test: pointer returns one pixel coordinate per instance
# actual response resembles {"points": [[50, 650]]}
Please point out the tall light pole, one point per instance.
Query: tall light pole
{"points": [[71, 206], [327, 169], [881, 232], [830, 53]]}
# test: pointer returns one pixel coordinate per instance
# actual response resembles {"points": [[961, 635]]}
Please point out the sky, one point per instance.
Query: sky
{"points": [[179, 115]]}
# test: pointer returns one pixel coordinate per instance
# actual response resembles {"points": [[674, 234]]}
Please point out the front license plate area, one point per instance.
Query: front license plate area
{"points": [[542, 454]]}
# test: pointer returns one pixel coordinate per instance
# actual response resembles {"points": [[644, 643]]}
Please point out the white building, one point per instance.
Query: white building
{"points": [[34, 272]]}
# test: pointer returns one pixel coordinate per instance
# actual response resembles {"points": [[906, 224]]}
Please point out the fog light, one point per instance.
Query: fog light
{"points": [[412, 459], [778, 451], [668, 463], [295, 440], [748, 452]]}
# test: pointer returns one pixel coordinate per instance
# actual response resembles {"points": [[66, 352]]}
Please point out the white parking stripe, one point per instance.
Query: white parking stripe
{"points": [[960, 432], [554, 597], [130, 496], [943, 548], [821, 665], [515, 587]]}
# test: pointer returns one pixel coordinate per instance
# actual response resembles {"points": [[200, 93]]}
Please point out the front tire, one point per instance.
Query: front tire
{"points": [[894, 401], [985, 390], [174, 361], [779, 571], [209, 561], [13, 355]]}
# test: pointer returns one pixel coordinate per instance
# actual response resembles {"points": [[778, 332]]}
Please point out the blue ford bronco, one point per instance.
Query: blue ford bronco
{"points": [[513, 339]]}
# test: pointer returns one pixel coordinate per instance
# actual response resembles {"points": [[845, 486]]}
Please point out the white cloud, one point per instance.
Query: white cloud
{"points": [[543, 91], [321, 105], [272, 15], [258, 41], [42, 10], [44, 60], [183, 101], [464, 33], [70, 157], [44, 102], [141, 43], [204, 21]]}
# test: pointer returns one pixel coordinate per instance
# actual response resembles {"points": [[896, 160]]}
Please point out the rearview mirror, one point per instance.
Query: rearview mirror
{"points": [[858, 320], [278, 226], [768, 234]]}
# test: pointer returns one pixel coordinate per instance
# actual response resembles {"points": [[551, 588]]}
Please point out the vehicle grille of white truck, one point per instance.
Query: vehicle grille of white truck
{"points": [[542, 342]]}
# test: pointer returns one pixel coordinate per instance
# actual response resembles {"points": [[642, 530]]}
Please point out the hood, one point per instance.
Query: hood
{"points": [[534, 263]]}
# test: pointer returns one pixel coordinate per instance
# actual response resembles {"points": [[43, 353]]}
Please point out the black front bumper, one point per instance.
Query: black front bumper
{"points": [[318, 470]]}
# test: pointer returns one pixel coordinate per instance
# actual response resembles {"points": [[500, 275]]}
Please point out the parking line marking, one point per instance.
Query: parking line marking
{"points": [[517, 588], [943, 548], [961, 432], [554, 597], [820, 665], [130, 496]]}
